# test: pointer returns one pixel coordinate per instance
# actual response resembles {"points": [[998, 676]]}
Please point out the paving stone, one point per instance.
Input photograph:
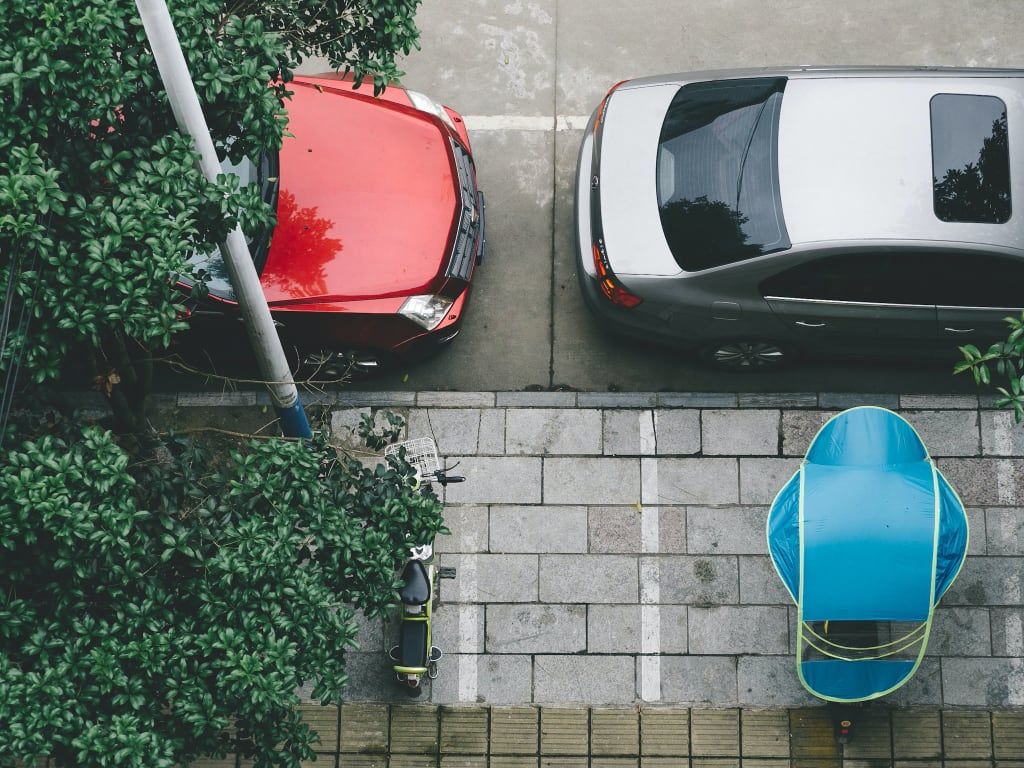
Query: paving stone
{"points": [[726, 531], [496, 679], [458, 628], [740, 433], [547, 431], [770, 681], [491, 439], [536, 628], [537, 399], [496, 480], [491, 579], [364, 727], [614, 529], [733, 629], [678, 431], [799, 429], [988, 581], [715, 732], [672, 530], [812, 735], [697, 399], [698, 680], [872, 739], [966, 734], [628, 433], [588, 579], [614, 762], [412, 761], [538, 529], [455, 399], [464, 761], [613, 629], [455, 430], [413, 729], [513, 762], [514, 730], [469, 529], [563, 762], [215, 399], [760, 583], [323, 720], [765, 762], [563, 731], [1007, 631], [977, 540], [1008, 735], [394, 399], [947, 433], [967, 402], [765, 733], [200, 762], [844, 400], [983, 682], [591, 481], [664, 731], [916, 734], [690, 481], [674, 633], [370, 635], [762, 479], [715, 762], [464, 730], [777, 399], [924, 689], [986, 482], [616, 399], [370, 677], [1001, 435], [960, 632], [575, 679], [344, 427], [1004, 531], [362, 761], [614, 732], [697, 579]]}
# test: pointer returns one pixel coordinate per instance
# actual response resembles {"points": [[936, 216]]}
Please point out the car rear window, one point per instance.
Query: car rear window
{"points": [[717, 177], [970, 158]]}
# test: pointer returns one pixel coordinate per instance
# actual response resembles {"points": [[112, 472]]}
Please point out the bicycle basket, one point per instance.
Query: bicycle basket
{"points": [[421, 453]]}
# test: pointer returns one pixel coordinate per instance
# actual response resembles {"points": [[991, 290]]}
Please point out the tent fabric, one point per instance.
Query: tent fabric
{"points": [[866, 530]]}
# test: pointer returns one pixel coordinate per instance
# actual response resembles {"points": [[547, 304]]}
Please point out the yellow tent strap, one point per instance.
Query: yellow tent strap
{"points": [[911, 633], [823, 652]]}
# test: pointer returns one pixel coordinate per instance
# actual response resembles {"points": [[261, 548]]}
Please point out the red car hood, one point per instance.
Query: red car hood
{"points": [[366, 203]]}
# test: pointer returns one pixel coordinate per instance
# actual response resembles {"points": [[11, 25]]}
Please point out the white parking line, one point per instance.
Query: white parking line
{"points": [[650, 577], [469, 628], [526, 122]]}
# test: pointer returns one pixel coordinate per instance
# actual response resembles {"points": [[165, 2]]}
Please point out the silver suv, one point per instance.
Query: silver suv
{"points": [[752, 214]]}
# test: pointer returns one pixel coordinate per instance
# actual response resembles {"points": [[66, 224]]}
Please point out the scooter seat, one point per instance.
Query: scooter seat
{"points": [[413, 645], [416, 586]]}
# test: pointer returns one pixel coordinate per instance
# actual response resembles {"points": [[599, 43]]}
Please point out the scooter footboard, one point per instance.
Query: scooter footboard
{"points": [[412, 646]]}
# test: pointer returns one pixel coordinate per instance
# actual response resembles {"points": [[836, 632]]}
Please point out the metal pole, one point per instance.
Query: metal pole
{"points": [[242, 272]]}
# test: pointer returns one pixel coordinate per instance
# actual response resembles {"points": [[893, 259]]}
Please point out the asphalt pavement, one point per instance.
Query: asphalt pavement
{"points": [[527, 74]]}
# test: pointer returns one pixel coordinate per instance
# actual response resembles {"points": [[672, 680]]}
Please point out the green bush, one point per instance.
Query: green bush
{"points": [[1004, 359]]}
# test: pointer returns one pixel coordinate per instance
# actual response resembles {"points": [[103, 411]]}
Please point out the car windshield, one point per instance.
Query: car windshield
{"points": [[717, 177], [211, 262]]}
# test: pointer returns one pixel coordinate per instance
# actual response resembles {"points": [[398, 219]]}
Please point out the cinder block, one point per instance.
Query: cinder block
{"points": [[690, 481], [761, 479], [552, 431], [579, 680], [536, 628], [726, 530], [696, 579], [538, 529], [564, 731], [591, 481], [740, 433], [733, 629], [698, 680], [588, 579]]}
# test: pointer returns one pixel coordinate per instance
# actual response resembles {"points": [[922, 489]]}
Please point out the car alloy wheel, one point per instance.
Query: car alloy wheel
{"points": [[747, 355]]}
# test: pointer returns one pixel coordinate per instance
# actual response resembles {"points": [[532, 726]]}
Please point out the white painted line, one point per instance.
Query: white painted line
{"points": [[526, 122], [650, 576], [648, 430], [469, 627], [1014, 635]]}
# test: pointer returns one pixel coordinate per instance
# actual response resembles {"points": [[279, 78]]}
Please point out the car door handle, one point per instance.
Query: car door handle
{"points": [[960, 330], [805, 324]]}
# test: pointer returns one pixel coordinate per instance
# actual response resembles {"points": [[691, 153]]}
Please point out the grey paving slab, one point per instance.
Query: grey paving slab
{"points": [[949, 432], [799, 429], [924, 689], [1000, 434], [490, 579], [691, 481], [613, 629], [468, 526], [536, 628], [961, 632], [988, 581], [628, 432], [844, 400], [740, 432], [726, 530], [370, 636], [760, 583], [614, 529], [591, 481], [499, 679], [986, 482], [983, 682], [698, 680], [491, 439], [761, 479], [370, 678], [537, 399], [671, 530], [357, 398], [455, 430], [538, 529], [697, 579], [673, 628], [457, 628], [698, 399], [571, 679], [727, 629], [616, 399], [777, 399], [496, 480], [770, 681], [1007, 631], [965, 401], [977, 524], [678, 431], [547, 431], [588, 579], [455, 399]]}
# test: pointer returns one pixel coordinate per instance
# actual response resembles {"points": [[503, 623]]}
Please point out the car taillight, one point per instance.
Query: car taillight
{"points": [[611, 289], [604, 105]]}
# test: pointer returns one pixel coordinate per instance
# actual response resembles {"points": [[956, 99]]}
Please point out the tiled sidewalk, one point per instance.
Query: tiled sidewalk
{"points": [[425, 736]]}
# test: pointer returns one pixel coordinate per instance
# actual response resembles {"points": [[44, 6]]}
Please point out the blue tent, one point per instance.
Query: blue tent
{"points": [[867, 536]]}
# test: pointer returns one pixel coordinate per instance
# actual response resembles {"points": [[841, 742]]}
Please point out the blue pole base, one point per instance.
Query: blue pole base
{"points": [[293, 421]]}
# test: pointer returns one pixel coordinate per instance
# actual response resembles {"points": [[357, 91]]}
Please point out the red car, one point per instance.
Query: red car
{"points": [[380, 225]]}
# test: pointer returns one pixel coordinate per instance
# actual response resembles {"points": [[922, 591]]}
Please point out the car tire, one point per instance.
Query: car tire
{"points": [[747, 355]]}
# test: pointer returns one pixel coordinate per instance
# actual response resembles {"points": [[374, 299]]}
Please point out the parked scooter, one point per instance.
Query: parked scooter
{"points": [[415, 656]]}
